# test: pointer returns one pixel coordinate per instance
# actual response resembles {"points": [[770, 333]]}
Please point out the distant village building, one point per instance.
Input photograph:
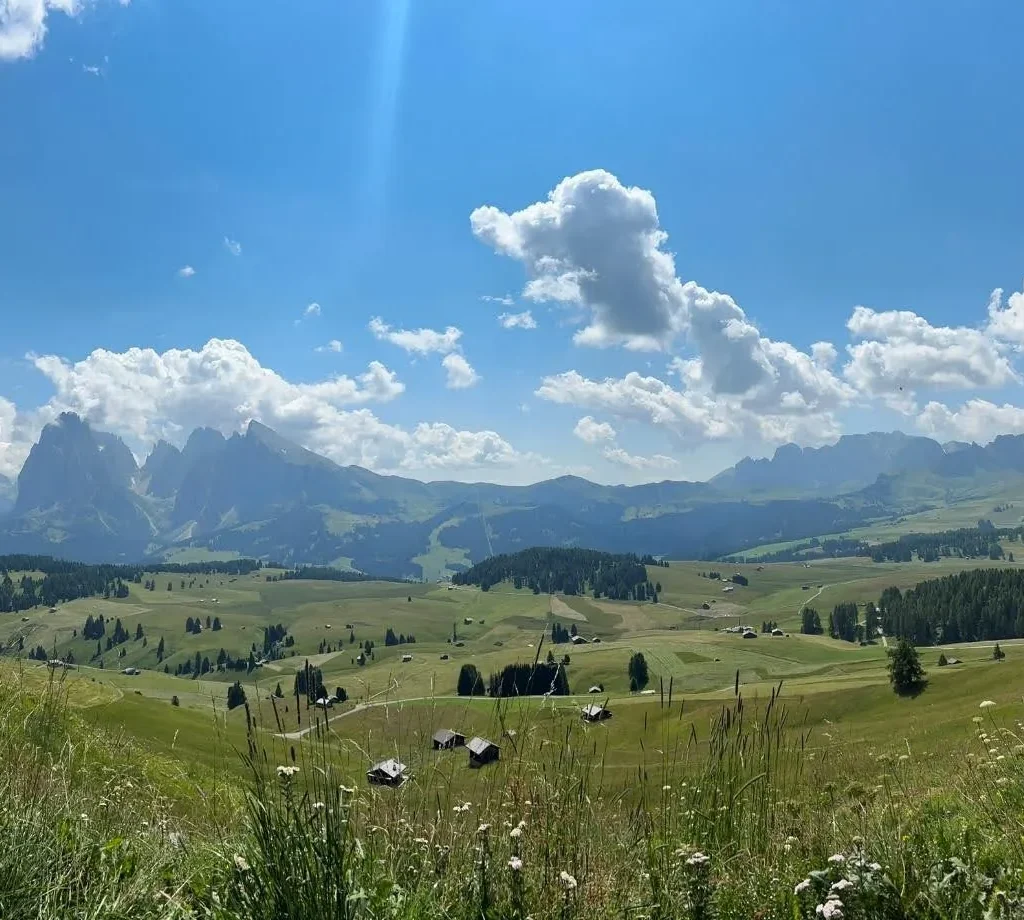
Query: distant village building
{"points": [[387, 773], [596, 639], [407, 658], [467, 620], [750, 634], [595, 713], [595, 689], [132, 672], [324, 702], [482, 751], [444, 657], [578, 640], [446, 738], [777, 632]]}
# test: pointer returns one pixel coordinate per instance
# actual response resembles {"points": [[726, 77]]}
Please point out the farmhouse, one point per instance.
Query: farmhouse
{"points": [[595, 713], [578, 640], [729, 588], [596, 639], [444, 657], [482, 751], [750, 634], [131, 672], [324, 701], [595, 689], [467, 620], [446, 738], [777, 632], [387, 773], [407, 658]]}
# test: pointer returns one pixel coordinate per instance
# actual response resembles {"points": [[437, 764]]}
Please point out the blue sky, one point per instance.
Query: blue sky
{"points": [[338, 154]]}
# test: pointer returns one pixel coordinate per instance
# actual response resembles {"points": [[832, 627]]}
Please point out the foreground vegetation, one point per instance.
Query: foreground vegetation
{"points": [[741, 816]]}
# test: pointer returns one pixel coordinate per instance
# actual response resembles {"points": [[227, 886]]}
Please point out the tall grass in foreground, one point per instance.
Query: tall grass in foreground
{"points": [[738, 816]]}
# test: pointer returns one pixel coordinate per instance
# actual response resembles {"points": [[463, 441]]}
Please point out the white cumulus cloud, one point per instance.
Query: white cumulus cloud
{"points": [[522, 320], [417, 341], [186, 271], [900, 352], [333, 345], [1006, 321], [591, 431], [461, 374], [976, 420], [144, 395], [233, 246], [23, 25], [312, 310], [596, 244]]}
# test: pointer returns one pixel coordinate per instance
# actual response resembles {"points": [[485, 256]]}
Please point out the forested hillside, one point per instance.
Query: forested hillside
{"points": [[566, 571], [966, 607]]}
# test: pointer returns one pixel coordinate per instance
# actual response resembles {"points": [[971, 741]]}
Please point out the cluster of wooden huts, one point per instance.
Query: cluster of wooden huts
{"points": [[392, 772]]}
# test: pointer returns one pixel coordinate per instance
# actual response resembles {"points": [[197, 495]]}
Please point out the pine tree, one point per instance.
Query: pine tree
{"points": [[997, 653], [236, 695], [637, 670], [905, 671]]}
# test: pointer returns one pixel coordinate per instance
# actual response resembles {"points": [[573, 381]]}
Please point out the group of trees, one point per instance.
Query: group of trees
{"points": [[401, 639], [637, 671], [572, 571], [810, 622], [326, 573], [65, 581], [559, 634], [976, 605], [529, 680], [842, 622]]}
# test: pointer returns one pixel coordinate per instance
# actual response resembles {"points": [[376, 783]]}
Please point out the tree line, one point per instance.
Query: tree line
{"points": [[977, 605], [567, 570]]}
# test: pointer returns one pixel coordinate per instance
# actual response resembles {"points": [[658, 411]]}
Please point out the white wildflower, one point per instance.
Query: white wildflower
{"points": [[240, 863], [287, 772], [987, 704], [698, 859], [515, 864], [832, 909], [665, 788], [837, 859], [1003, 781], [347, 790], [422, 841], [567, 880], [976, 719], [842, 885], [317, 806], [802, 886], [515, 832], [483, 828]]}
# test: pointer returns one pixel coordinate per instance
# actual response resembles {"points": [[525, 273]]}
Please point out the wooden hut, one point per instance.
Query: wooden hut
{"points": [[482, 751], [446, 738], [387, 773], [595, 713]]}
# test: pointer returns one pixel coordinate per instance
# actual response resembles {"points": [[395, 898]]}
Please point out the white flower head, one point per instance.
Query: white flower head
{"points": [[287, 772], [698, 859], [802, 886], [515, 864], [483, 828], [832, 909], [842, 884], [515, 832], [837, 859], [567, 880], [987, 704], [240, 863]]}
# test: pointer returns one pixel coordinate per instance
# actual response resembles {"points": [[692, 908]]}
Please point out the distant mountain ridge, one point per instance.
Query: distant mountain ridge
{"points": [[81, 495]]}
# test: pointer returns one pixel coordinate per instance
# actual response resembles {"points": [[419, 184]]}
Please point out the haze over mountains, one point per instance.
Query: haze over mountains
{"points": [[82, 495]]}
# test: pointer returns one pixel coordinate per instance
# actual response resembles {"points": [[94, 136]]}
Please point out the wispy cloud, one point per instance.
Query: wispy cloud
{"points": [[233, 246], [522, 320], [312, 310], [333, 345], [186, 271], [505, 301], [92, 70], [417, 341]]}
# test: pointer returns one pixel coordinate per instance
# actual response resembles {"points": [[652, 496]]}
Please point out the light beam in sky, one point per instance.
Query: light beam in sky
{"points": [[386, 89]]}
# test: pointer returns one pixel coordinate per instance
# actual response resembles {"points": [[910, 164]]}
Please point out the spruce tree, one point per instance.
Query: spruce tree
{"points": [[905, 671]]}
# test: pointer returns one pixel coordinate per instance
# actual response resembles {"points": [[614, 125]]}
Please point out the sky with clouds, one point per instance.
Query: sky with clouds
{"points": [[460, 240]]}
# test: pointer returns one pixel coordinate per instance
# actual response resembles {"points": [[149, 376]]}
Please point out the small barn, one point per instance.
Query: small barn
{"points": [[596, 689], [578, 640], [596, 639], [750, 634], [387, 773], [482, 751], [407, 658], [324, 702], [777, 632], [446, 739], [444, 657], [595, 713]]}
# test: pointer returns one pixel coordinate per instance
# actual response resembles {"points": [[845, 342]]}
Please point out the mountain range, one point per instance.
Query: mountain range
{"points": [[81, 495]]}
